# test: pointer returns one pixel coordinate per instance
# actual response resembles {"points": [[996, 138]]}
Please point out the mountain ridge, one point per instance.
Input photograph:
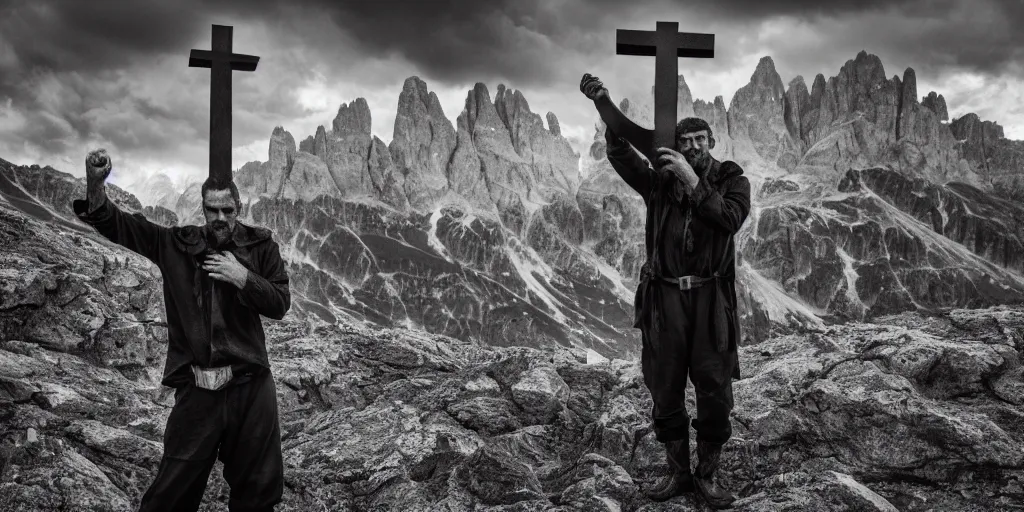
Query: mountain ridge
{"points": [[524, 238], [687, 105]]}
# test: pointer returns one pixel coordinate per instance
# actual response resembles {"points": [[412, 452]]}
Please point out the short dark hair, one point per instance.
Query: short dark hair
{"points": [[212, 183], [692, 124]]}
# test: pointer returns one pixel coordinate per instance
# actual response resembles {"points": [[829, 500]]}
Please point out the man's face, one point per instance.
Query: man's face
{"points": [[221, 213], [694, 146]]}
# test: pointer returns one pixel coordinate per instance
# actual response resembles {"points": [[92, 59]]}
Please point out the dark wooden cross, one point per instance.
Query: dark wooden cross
{"points": [[666, 45], [221, 63]]}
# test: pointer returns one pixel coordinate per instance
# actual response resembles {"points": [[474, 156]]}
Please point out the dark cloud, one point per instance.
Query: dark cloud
{"points": [[456, 40], [96, 72], [808, 9], [525, 41], [96, 35], [530, 42]]}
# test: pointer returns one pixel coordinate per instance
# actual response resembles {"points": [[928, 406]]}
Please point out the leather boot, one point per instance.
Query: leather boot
{"points": [[705, 480], [679, 478]]}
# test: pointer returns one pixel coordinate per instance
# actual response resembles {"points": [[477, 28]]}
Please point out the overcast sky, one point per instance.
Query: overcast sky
{"points": [[77, 75]]}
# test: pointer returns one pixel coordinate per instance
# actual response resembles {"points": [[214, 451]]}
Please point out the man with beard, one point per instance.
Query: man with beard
{"points": [[218, 279], [686, 300]]}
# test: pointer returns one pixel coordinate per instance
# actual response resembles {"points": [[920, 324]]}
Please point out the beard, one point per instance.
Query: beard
{"points": [[218, 233], [698, 159]]}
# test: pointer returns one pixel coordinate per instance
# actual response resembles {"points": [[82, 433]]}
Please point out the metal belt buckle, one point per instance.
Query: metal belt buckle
{"points": [[685, 279], [213, 379]]}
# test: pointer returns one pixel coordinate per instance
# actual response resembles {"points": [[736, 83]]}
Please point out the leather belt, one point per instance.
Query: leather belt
{"points": [[688, 282], [213, 379]]}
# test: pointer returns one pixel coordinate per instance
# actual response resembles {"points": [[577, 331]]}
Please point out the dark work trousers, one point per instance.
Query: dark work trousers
{"points": [[685, 345], [238, 425]]}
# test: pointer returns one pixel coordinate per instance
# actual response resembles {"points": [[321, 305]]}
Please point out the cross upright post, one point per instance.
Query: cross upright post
{"points": [[221, 62]]}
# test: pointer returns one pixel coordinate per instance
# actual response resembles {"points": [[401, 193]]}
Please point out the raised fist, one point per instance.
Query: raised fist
{"points": [[97, 165], [592, 87]]}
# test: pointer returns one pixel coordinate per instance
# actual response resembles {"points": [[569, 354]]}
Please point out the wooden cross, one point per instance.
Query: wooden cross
{"points": [[221, 62], [666, 45]]}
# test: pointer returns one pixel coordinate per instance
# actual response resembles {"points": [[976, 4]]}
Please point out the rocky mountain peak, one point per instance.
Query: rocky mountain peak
{"points": [[320, 142], [417, 107], [282, 146], [757, 114], [998, 159], [415, 87], [765, 72], [521, 122], [553, 125], [552, 162], [798, 102], [937, 104], [353, 119], [865, 71], [715, 114], [255, 179], [970, 125], [513, 109], [910, 85], [478, 99], [969, 118], [817, 90], [423, 143], [417, 101], [906, 110]]}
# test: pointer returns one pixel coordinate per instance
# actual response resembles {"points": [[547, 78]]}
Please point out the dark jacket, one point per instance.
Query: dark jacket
{"points": [[209, 323], [712, 214]]}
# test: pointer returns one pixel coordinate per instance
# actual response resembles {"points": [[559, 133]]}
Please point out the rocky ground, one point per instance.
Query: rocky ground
{"points": [[909, 413]]}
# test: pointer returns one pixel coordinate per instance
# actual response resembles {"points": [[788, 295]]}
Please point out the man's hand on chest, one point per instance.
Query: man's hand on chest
{"points": [[225, 267], [674, 162]]}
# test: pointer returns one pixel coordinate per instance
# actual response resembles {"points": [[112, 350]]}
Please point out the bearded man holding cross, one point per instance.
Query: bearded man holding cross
{"points": [[218, 280], [686, 301]]}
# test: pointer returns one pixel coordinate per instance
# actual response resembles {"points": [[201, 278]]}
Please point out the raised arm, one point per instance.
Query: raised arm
{"points": [[267, 292], [132, 231], [626, 162]]}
